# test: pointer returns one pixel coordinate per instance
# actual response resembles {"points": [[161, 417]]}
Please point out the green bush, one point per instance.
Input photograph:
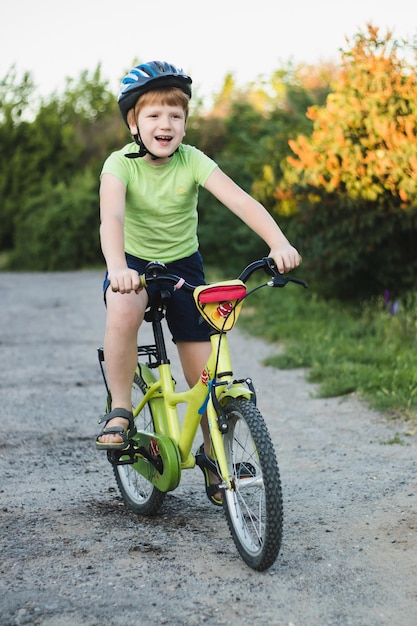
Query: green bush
{"points": [[355, 251], [58, 228]]}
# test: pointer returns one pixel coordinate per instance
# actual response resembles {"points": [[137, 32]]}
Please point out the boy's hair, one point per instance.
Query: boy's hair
{"points": [[171, 96]]}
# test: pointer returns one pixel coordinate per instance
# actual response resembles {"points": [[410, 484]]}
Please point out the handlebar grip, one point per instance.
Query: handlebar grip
{"points": [[142, 281]]}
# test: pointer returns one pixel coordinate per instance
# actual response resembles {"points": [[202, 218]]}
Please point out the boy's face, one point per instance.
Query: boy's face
{"points": [[161, 128]]}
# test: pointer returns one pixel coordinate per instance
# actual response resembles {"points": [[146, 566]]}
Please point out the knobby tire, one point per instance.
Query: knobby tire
{"points": [[254, 508]]}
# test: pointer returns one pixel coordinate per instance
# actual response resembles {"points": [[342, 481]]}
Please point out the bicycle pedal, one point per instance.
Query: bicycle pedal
{"points": [[118, 457]]}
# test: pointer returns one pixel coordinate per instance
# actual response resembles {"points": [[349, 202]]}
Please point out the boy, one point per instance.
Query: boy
{"points": [[148, 209]]}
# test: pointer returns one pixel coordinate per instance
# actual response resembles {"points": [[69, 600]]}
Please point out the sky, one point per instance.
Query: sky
{"points": [[54, 39]]}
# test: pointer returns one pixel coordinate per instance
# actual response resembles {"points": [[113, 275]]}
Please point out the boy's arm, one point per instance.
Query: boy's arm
{"points": [[112, 212], [256, 217]]}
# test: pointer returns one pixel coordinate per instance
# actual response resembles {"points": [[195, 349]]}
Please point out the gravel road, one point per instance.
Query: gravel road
{"points": [[71, 555]]}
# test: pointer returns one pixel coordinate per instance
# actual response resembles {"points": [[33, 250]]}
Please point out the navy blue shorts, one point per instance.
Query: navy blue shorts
{"points": [[184, 320]]}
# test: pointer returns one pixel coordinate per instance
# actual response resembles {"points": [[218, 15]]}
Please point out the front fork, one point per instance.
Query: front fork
{"points": [[221, 388]]}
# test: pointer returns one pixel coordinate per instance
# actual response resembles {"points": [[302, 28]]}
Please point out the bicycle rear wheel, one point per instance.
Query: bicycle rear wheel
{"points": [[253, 508], [139, 495]]}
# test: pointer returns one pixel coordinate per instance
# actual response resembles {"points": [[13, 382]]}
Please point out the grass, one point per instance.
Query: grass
{"points": [[363, 349]]}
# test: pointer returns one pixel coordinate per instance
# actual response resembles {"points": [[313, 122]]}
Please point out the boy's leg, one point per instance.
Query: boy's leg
{"points": [[125, 314], [193, 356]]}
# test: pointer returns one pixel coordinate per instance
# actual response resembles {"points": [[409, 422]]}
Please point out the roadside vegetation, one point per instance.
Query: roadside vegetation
{"points": [[368, 349], [331, 152]]}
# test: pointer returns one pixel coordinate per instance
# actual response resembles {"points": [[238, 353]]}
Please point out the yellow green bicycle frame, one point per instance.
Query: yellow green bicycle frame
{"points": [[163, 399]]}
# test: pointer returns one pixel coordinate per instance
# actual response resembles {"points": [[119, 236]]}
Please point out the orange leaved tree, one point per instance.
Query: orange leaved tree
{"points": [[353, 182]]}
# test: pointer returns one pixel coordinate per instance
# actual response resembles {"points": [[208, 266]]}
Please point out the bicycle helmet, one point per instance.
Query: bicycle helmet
{"points": [[147, 76]]}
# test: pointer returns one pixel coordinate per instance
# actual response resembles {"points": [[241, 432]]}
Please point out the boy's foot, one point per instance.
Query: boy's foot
{"points": [[118, 428], [211, 479], [111, 437]]}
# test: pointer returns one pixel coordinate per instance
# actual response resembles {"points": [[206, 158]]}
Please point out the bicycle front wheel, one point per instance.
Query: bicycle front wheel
{"points": [[139, 495], [253, 507]]}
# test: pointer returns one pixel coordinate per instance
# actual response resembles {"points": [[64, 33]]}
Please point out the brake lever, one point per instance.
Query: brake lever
{"points": [[280, 281]]}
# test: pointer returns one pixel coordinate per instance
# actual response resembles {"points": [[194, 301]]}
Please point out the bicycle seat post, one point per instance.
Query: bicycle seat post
{"points": [[155, 315]]}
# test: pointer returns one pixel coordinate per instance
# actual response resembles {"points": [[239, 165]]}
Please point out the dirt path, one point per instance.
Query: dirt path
{"points": [[72, 556]]}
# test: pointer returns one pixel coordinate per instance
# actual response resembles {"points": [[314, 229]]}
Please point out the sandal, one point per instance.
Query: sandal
{"points": [[207, 465], [125, 433]]}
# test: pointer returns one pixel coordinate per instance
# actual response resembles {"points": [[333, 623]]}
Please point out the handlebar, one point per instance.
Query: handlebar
{"points": [[269, 267], [156, 271]]}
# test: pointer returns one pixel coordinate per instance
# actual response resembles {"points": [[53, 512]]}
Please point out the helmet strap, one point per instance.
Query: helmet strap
{"points": [[143, 150]]}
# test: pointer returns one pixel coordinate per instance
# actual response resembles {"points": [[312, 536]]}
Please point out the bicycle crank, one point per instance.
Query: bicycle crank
{"points": [[157, 459]]}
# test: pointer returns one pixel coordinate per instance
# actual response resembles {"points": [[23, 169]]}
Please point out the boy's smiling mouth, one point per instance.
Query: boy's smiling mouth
{"points": [[163, 138]]}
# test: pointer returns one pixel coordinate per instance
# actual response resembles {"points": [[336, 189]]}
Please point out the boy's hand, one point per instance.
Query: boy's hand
{"points": [[286, 257], [124, 280]]}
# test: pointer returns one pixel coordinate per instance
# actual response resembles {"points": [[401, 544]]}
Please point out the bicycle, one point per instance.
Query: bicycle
{"points": [[242, 453]]}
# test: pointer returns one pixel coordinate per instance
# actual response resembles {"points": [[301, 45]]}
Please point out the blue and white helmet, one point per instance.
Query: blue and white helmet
{"points": [[147, 76]]}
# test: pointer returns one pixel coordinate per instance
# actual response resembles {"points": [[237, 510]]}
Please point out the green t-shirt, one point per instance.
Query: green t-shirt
{"points": [[161, 202]]}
